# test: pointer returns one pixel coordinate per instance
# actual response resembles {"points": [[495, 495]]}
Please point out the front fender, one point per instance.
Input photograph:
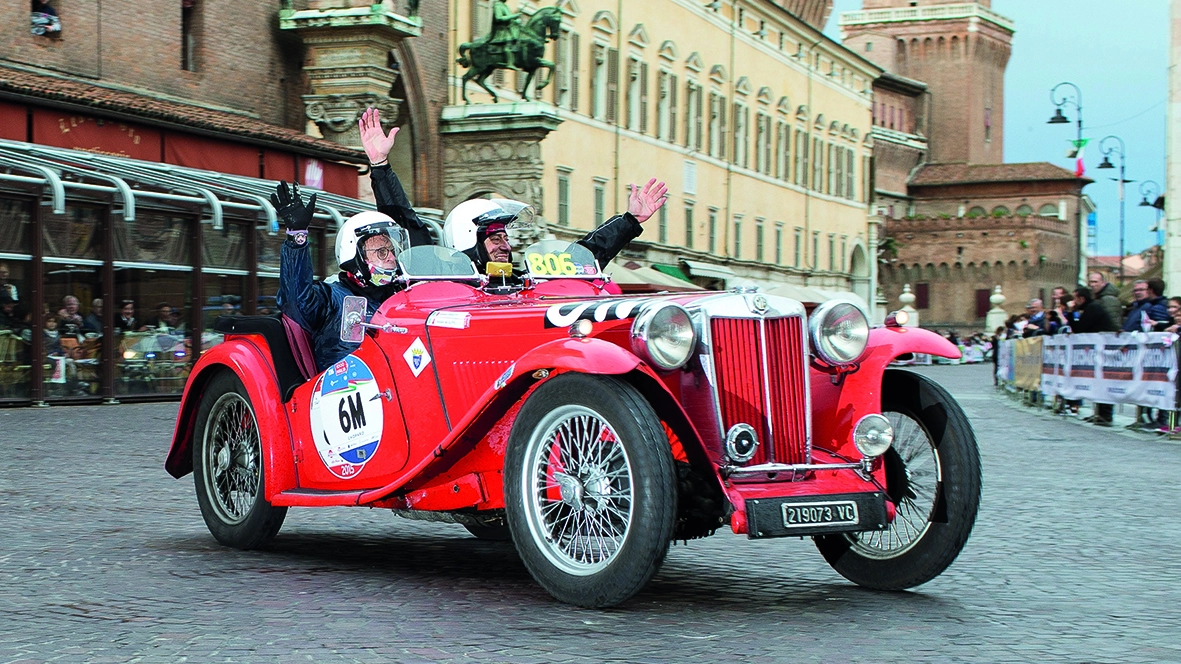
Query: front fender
{"points": [[837, 408], [249, 358], [591, 356]]}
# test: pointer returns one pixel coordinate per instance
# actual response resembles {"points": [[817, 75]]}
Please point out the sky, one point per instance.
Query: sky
{"points": [[1117, 52]]}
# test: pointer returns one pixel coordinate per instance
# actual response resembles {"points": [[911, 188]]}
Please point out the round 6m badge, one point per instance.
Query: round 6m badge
{"points": [[346, 417]]}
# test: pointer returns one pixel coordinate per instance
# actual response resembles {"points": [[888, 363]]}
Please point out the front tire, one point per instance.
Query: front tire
{"points": [[590, 489], [932, 477], [228, 467]]}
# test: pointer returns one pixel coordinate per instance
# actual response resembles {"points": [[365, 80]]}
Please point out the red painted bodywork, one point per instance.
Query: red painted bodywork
{"points": [[446, 430]]}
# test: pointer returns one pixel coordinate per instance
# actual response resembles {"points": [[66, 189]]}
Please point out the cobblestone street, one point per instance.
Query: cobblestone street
{"points": [[105, 558]]}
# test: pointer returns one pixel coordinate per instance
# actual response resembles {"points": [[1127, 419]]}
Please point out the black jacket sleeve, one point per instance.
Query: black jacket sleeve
{"points": [[606, 241], [391, 200]]}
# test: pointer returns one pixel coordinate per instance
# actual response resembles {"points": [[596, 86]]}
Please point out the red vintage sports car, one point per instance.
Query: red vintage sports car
{"points": [[589, 428]]}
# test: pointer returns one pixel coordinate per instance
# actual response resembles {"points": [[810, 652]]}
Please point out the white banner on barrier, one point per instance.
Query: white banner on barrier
{"points": [[1137, 368]]}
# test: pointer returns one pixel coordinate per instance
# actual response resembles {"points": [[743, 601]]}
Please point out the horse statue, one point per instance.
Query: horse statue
{"points": [[526, 53]]}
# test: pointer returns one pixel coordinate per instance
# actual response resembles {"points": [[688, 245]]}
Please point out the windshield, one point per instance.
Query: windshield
{"points": [[430, 261], [556, 259]]}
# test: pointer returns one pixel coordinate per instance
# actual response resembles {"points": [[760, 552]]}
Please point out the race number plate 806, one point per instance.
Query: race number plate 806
{"points": [[808, 515]]}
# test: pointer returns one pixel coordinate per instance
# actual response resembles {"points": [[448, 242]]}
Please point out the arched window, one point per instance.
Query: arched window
{"points": [[1000, 211], [977, 212], [1024, 211], [1048, 210]]}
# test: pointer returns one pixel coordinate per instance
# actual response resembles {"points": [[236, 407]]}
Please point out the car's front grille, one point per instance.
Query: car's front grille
{"points": [[773, 401]]}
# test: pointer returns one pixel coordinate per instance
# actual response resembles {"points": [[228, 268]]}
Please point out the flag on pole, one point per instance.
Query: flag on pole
{"points": [[1076, 153]]}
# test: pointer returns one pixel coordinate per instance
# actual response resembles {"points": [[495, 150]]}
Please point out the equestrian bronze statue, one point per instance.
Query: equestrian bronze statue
{"points": [[511, 45]]}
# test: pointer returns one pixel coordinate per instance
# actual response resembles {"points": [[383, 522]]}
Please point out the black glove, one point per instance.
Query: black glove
{"points": [[290, 207]]}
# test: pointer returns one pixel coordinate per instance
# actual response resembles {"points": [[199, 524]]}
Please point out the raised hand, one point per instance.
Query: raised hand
{"points": [[377, 143], [289, 204], [644, 202]]}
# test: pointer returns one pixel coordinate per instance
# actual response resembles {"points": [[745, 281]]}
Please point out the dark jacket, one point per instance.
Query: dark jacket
{"points": [[1093, 318], [1108, 296], [605, 242], [316, 305], [1157, 309]]}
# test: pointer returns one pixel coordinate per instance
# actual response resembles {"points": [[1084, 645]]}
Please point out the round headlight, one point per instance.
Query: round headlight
{"points": [[839, 332], [663, 335], [873, 435]]}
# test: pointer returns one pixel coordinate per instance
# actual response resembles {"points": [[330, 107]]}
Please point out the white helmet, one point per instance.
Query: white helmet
{"points": [[362, 226], [459, 232]]}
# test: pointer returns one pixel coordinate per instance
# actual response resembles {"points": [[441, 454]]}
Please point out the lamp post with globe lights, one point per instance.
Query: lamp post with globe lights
{"points": [[1062, 98], [1150, 196], [1121, 151]]}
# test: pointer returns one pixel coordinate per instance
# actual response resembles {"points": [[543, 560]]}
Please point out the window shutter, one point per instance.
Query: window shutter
{"points": [[850, 180], [697, 119], [643, 97], [672, 109], [612, 85], [982, 303], [722, 127], [574, 82], [558, 84]]}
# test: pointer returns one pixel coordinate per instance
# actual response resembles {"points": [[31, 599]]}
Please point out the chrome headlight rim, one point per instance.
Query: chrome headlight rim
{"points": [[645, 333], [734, 438], [819, 325], [873, 435]]}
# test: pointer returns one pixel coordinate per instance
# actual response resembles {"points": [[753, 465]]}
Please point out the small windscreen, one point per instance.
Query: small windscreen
{"points": [[434, 262], [556, 259]]}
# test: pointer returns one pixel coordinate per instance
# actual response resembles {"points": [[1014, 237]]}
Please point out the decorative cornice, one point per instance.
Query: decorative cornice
{"points": [[355, 17], [931, 13], [467, 118]]}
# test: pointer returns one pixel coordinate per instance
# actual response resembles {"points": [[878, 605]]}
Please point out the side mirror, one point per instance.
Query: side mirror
{"points": [[352, 319]]}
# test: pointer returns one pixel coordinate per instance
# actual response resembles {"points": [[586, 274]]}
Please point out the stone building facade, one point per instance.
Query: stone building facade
{"points": [[756, 120], [958, 221]]}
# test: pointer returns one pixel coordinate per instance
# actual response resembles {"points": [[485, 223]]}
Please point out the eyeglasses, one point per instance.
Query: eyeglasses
{"points": [[382, 253]]}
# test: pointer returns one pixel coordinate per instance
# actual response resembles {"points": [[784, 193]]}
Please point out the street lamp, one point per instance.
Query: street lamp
{"points": [[1060, 100], [1121, 152], [1150, 197]]}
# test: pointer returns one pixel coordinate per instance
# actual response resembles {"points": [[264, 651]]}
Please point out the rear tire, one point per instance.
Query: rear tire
{"points": [[933, 478], [590, 489], [228, 467]]}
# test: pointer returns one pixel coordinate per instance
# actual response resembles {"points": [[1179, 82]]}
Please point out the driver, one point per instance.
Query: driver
{"points": [[479, 227]]}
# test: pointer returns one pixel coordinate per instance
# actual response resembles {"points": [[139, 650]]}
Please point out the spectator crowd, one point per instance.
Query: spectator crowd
{"points": [[1096, 307]]}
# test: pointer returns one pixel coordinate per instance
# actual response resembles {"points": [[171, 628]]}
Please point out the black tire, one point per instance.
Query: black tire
{"points": [[916, 548], [492, 528], [617, 505], [241, 518]]}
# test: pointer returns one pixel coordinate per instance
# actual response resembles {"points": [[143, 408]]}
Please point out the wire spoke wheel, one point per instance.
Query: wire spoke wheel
{"points": [[579, 488], [913, 508], [932, 476], [228, 467], [231, 459], [589, 489]]}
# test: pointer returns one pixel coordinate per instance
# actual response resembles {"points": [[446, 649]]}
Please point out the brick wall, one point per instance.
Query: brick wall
{"points": [[959, 256], [242, 63]]}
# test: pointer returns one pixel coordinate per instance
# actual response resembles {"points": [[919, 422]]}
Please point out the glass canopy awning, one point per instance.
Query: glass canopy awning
{"points": [[60, 172]]}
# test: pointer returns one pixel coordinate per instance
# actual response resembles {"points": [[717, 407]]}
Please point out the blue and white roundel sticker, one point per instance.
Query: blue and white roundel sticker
{"points": [[346, 417]]}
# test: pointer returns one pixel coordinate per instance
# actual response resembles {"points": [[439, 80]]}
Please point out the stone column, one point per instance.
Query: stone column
{"points": [[496, 148], [348, 61], [1172, 221], [907, 299], [996, 316]]}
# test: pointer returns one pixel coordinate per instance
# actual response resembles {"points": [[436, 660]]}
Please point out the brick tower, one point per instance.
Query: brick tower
{"points": [[960, 50]]}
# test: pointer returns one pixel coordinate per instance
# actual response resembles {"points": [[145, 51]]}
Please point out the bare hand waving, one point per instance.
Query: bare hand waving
{"points": [[644, 202], [373, 137]]}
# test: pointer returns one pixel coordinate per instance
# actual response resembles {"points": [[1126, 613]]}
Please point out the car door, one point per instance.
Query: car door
{"points": [[350, 430]]}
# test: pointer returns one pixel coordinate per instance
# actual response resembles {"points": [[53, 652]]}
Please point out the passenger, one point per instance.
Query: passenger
{"points": [[479, 228], [367, 246], [93, 322], [69, 320], [126, 320], [163, 320], [10, 319]]}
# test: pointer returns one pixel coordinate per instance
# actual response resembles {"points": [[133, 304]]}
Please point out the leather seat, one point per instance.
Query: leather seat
{"points": [[290, 344]]}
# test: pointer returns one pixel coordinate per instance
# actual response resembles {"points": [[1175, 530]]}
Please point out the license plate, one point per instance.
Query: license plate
{"points": [[810, 515]]}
